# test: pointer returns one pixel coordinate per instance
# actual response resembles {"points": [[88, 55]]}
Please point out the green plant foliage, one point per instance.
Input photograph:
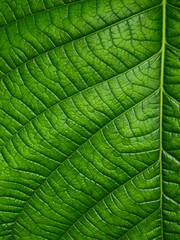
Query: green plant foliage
{"points": [[89, 120]]}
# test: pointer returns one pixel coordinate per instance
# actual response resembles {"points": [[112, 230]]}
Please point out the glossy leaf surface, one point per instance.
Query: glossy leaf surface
{"points": [[89, 120]]}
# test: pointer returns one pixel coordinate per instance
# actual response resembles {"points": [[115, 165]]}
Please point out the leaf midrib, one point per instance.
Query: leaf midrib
{"points": [[161, 108]]}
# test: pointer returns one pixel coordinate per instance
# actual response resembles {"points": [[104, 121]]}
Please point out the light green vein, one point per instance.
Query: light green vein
{"points": [[161, 107]]}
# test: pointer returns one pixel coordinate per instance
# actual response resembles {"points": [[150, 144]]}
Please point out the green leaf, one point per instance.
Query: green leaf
{"points": [[89, 120]]}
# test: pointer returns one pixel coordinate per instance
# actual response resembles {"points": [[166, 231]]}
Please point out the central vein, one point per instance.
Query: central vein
{"points": [[161, 105]]}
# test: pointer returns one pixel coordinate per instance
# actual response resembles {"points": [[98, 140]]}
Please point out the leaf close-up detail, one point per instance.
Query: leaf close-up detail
{"points": [[89, 119]]}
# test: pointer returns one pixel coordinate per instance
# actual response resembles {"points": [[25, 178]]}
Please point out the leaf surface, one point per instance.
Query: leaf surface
{"points": [[89, 120]]}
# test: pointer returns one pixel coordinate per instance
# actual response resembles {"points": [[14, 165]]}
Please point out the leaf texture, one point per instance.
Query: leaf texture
{"points": [[89, 120]]}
